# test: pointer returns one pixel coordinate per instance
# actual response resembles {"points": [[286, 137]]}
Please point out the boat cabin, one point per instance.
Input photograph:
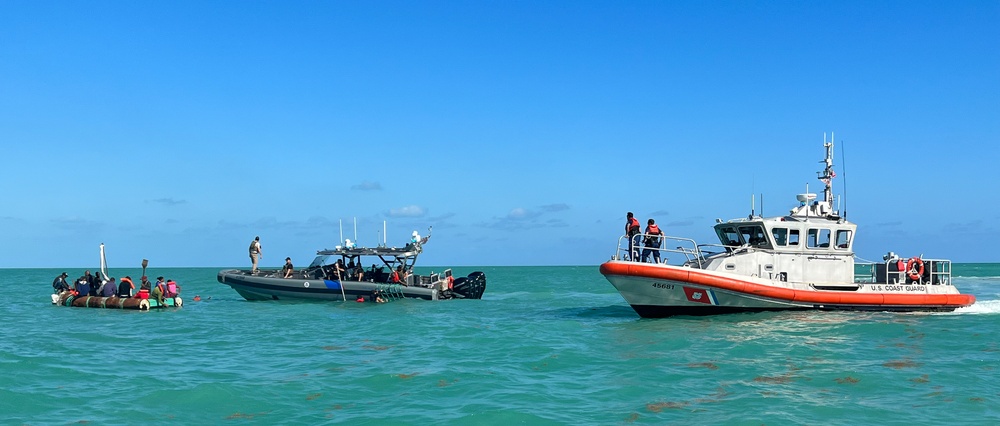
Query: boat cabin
{"points": [[811, 244]]}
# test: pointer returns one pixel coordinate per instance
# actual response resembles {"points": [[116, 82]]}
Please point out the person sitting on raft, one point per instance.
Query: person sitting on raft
{"points": [[173, 290], [125, 287], [159, 290], [59, 284], [82, 287], [109, 288]]}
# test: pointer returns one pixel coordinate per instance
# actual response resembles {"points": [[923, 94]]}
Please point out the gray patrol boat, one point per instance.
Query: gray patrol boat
{"points": [[340, 275]]}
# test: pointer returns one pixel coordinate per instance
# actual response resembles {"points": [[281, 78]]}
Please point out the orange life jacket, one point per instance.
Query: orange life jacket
{"points": [[633, 226]]}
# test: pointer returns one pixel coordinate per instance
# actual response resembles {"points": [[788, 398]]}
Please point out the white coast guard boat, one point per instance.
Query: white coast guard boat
{"points": [[803, 260]]}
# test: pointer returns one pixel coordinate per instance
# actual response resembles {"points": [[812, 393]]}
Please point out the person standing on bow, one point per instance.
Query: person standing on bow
{"points": [[632, 230], [652, 241], [255, 253]]}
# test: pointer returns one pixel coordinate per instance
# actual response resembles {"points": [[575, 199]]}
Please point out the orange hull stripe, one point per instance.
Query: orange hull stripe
{"points": [[695, 276]]}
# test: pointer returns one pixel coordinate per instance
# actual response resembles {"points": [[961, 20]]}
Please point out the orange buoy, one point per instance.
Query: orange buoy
{"points": [[915, 274]]}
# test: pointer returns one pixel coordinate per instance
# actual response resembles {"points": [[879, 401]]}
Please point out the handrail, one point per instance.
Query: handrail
{"points": [[689, 248], [942, 276]]}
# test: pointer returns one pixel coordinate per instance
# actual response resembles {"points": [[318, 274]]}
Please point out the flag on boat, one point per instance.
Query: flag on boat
{"points": [[700, 296]]}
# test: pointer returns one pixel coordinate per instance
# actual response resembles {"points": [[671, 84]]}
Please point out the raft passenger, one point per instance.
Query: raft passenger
{"points": [[159, 290], [125, 287], [59, 284], [82, 286], [109, 288], [173, 289]]}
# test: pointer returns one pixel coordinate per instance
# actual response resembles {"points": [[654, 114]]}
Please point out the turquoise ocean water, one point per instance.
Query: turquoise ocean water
{"points": [[546, 345]]}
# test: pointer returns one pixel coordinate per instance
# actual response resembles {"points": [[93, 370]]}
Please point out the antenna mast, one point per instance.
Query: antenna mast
{"points": [[843, 168]]}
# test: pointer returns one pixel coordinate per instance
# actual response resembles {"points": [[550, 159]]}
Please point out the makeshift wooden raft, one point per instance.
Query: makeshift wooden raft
{"points": [[68, 299]]}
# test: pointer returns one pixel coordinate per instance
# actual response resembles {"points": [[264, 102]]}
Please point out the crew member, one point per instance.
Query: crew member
{"points": [[654, 238], [286, 271], [632, 230], [255, 253]]}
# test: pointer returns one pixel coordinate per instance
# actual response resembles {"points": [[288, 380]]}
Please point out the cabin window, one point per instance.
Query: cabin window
{"points": [[780, 236], [843, 238], [793, 237], [729, 236], [818, 238], [754, 235]]}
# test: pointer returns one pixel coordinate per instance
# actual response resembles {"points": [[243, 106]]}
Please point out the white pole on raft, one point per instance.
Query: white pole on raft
{"points": [[104, 262], [341, 232], [384, 239], [355, 230]]}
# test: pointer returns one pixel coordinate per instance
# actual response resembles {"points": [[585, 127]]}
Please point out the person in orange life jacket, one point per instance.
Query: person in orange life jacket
{"points": [[632, 230], [125, 287], [397, 275], [654, 237], [173, 290], [159, 290]]}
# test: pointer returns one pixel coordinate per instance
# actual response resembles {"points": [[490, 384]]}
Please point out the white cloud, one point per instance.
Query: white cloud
{"points": [[408, 211], [367, 186]]}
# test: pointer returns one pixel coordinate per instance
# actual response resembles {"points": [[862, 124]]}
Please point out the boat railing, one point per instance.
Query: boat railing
{"points": [[684, 246], [897, 271]]}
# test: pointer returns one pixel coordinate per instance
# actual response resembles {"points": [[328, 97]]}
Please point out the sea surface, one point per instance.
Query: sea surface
{"points": [[546, 345]]}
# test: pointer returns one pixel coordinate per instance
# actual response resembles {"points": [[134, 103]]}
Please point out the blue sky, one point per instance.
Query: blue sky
{"points": [[521, 131]]}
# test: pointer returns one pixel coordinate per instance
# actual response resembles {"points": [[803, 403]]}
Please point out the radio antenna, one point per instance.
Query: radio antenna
{"points": [[843, 167]]}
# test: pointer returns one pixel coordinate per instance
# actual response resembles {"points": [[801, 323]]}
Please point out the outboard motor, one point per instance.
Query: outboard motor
{"points": [[471, 287]]}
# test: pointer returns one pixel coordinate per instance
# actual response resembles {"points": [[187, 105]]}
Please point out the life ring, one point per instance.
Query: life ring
{"points": [[915, 275], [451, 282]]}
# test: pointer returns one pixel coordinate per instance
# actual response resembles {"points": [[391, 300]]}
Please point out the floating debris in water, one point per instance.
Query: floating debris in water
{"points": [[659, 406], [708, 365], [773, 379], [905, 363]]}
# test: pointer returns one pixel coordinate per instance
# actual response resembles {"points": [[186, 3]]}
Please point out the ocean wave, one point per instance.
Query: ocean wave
{"points": [[981, 307], [977, 278]]}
